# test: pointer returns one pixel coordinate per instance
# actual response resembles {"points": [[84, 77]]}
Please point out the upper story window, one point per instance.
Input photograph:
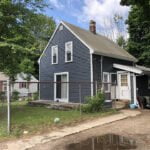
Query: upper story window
{"points": [[54, 54], [61, 27], [69, 51]]}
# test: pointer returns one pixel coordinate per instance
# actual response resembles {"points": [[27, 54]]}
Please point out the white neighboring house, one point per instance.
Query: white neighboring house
{"points": [[21, 85]]}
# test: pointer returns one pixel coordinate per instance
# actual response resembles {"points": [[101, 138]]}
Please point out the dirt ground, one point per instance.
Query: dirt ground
{"points": [[137, 128]]}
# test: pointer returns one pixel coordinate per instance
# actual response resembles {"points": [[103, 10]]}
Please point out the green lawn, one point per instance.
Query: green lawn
{"points": [[40, 119]]}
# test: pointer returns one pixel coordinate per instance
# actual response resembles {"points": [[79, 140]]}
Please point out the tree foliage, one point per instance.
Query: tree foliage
{"points": [[23, 34], [139, 30], [121, 42]]}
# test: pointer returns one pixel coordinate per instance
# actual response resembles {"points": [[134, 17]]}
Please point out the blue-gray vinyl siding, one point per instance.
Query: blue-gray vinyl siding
{"points": [[79, 69], [107, 66]]}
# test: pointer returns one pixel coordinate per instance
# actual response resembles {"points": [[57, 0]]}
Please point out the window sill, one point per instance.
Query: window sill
{"points": [[68, 61], [54, 64]]}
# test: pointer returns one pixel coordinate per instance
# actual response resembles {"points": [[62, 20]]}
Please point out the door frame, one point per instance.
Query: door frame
{"points": [[119, 83], [61, 100]]}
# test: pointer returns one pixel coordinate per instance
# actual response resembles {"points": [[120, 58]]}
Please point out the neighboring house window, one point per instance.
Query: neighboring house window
{"points": [[55, 54], [69, 51], [23, 85], [4, 87], [124, 80], [106, 81]]}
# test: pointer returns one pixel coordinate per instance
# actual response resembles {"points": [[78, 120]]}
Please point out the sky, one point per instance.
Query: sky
{"points": [[80, 12]]}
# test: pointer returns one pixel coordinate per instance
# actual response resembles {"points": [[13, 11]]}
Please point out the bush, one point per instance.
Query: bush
{"points": [[15, 95], [2, 96], [94, 104], [35, 96]]}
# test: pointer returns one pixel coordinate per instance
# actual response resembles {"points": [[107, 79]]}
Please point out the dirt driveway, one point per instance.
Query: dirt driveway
{"points": [[137, 128]]}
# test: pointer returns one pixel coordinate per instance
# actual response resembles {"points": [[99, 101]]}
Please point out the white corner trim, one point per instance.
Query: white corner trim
{"points": [[91, 65], [91, 50]]}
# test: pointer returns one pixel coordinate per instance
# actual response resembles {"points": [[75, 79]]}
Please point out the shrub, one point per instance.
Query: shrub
{"points": [[94, 104], [35, 96], [2, 96], [15, 95]]}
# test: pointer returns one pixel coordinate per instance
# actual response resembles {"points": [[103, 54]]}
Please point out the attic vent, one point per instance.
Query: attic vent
{"points": [[61, 27]]}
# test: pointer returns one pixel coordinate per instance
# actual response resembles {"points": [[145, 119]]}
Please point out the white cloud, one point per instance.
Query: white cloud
{"points": [[103, 11], [57, 4]]}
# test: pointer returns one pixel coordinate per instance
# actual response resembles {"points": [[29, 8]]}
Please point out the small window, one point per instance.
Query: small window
{"points": [[61, 27], [113, 79], [106, 81], [4, 87], [68, 52], [23, 85], [54, 55], [124, 80]]}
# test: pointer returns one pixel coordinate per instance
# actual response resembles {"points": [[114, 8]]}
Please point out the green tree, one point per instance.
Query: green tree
{"points": [[23, 34], [139, 30], [121, 42]]}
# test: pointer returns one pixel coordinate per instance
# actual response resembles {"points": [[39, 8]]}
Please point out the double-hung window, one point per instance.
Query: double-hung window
{"points": [[54, 54], [69, 51], [106, 81]]}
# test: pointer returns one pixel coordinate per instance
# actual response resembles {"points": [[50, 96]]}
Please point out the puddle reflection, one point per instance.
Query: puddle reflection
{"points": [[105, 142]]}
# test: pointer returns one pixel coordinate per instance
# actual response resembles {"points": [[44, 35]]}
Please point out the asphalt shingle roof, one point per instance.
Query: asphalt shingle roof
{"points": [[100, 44]]}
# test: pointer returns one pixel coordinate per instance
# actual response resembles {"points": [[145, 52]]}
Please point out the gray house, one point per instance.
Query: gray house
{"points": [[74, 55]]}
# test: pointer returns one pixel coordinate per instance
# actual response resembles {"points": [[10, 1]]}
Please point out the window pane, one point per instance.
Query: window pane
{"points": [[106, 87], [106, 82], [68, 51], [68, 56], [54, 54], [124, 80], [54, 59]]}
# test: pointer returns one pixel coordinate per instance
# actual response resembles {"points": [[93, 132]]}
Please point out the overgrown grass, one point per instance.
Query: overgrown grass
{"points": [[37, 120]]}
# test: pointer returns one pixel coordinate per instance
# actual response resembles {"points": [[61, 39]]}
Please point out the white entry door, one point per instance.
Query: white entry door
{"points": [[61, 89], [124, 86]]}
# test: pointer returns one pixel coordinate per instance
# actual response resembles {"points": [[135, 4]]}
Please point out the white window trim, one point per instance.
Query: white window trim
{"points": [[71, 51], [61, 73], [107, 73], [52, 54]]}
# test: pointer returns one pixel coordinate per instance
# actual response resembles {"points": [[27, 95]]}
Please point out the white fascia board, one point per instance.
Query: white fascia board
{"points": [[91, 50], [128, 68]]}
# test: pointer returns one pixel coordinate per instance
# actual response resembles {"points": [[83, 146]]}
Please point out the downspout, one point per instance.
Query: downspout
{"points": [[91, 64], [102, 73], [101, 69], [39, 81]]}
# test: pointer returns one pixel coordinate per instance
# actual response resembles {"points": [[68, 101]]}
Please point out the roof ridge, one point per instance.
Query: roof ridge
{"points": [[108, 47]]}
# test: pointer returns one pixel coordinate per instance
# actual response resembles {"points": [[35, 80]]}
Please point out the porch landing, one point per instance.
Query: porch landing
{"points": [[54, 105]]}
